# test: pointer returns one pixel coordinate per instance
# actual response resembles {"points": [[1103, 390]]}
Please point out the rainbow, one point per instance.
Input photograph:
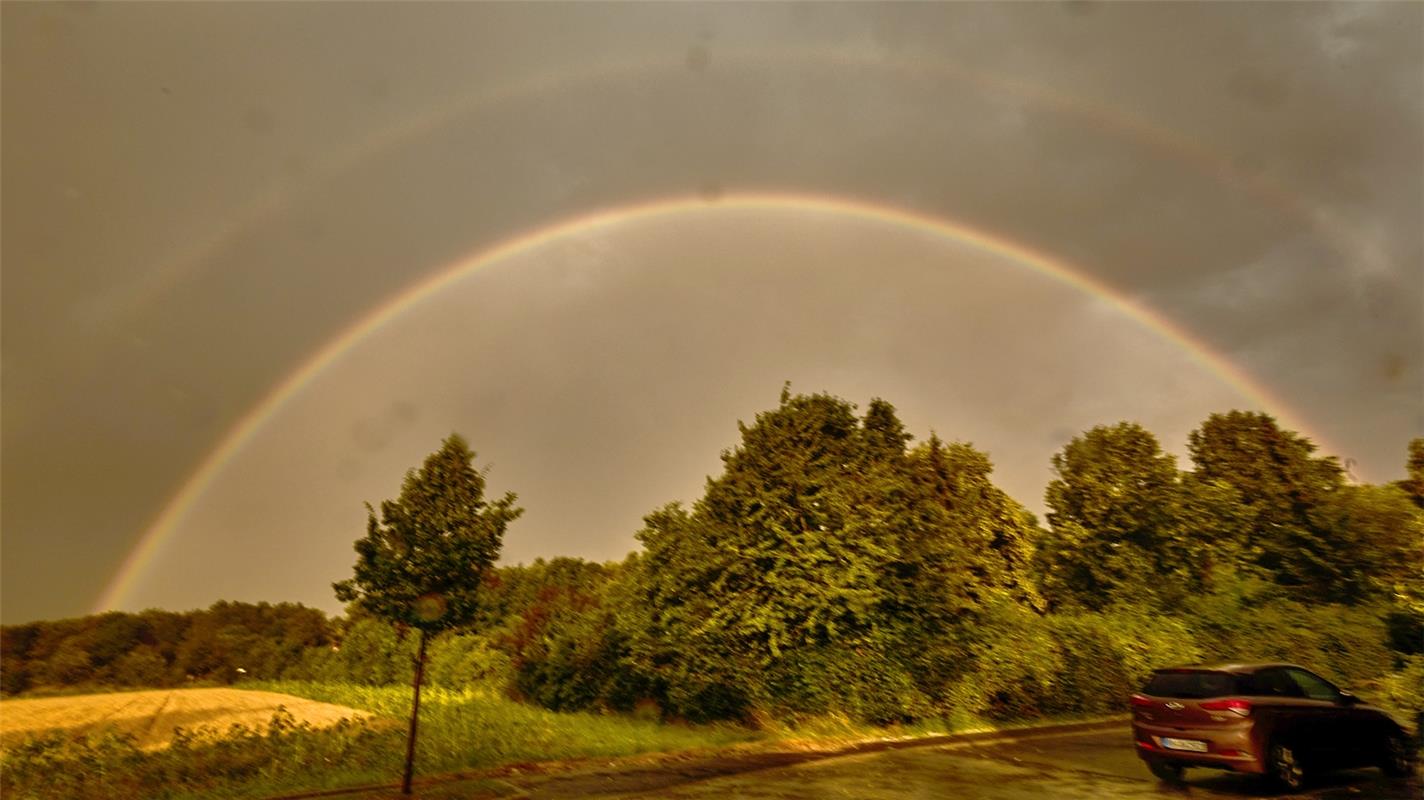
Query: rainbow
{"points": [[241, 433], [1166, 143]]}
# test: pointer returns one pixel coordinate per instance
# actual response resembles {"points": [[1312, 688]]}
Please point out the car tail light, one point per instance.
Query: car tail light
{"points": [[1241, 708], [1138, 701]]}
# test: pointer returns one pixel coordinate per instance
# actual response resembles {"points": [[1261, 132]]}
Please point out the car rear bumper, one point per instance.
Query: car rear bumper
{"points": [[1230, 749]]}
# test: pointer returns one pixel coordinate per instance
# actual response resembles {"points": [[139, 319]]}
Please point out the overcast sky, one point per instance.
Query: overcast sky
{"points": [[199, 197]]}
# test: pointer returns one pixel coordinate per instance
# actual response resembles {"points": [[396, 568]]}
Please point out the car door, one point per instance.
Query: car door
{"points": [[1280, 710], [1326, 732]]}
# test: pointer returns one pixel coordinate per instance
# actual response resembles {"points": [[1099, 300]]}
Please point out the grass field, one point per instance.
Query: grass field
{"points": [[150, 717], [95, 756]]}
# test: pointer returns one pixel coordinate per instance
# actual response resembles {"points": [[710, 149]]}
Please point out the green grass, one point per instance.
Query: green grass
{"points": [[477, 728]]}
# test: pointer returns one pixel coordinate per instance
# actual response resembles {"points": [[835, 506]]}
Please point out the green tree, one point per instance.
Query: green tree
{"points": [[965, 542], [1413, 485], [784, 553], [1372, 546], [421, 564], [69, 665], [142, 666], [1117, 522], [824, 568], [1280, 484]]}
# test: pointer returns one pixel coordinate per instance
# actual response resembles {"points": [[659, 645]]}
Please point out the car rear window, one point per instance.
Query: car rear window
{"points": [[1191, 684]]}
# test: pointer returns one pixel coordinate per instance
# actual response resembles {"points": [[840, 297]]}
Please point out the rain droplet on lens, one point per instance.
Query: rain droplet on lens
{"points": [[430, 607]]}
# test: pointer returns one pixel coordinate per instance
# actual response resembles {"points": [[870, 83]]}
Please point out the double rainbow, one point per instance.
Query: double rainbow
{"points": [[246, 428]]}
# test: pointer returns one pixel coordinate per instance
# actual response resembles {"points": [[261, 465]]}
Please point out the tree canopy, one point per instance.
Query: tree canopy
{"points": [[421, 564], [823, 535]]}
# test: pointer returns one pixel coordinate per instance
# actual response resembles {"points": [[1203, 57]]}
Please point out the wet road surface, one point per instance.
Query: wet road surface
{"points": [[1093, 765]]}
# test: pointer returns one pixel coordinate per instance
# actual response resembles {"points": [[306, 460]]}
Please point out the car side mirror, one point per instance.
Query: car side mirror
{"points": [[1348, 699]]}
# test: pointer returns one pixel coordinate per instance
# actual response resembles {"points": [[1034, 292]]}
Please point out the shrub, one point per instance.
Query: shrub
{"points": [[460, 660], [1402, 690], [866, 681], [1014, 670], [1246, 620]]}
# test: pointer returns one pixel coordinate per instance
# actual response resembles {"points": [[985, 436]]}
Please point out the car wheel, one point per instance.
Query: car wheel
{"points": [[1396, 761], [1171, 773], [1284, 767]]}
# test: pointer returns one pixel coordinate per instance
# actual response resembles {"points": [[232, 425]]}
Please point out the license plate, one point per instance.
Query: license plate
{"points": [[1190, 745]]}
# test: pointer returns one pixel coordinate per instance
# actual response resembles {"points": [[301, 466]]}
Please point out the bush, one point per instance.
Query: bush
{"points": [[1106, 657], [1014, 667], [1245, 620], [1402, 690], [460, 660], [1024, 665], [574, 661], [142, 666], [866, 681]]}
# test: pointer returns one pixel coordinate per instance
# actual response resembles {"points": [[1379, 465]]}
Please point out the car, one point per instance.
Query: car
{"points": [[1281, 721]]}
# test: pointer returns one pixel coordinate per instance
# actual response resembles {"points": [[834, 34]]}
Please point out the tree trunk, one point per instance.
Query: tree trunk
{"points": [[414, 716]]}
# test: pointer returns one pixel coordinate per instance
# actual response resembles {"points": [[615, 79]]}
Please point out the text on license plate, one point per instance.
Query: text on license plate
{"points": [[1184, 744]]}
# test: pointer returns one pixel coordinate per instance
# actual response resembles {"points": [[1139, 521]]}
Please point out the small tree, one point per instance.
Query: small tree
{"points": [[420, 566]]}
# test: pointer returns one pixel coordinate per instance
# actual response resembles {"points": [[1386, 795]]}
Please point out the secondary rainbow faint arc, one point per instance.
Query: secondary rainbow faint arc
{"points": [[242, 432], [1168, 143]]}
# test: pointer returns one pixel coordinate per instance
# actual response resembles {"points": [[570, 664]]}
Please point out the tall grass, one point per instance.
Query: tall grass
{"points": [[459, 730], [476, 727]]}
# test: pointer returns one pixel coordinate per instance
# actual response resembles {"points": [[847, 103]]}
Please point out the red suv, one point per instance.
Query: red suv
{"points": [[1278, 720]]}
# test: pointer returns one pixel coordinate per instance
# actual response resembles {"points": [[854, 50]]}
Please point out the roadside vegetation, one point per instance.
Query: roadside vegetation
{"points": [[467, 729], [836, 576]]}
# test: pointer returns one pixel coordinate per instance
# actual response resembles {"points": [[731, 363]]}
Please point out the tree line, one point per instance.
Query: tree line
{"points": [[161, 648], [834, 566], [837, 566]]}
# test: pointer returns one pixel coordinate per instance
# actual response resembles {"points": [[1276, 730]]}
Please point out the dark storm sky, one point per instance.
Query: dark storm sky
{"points": [[198, 197]]}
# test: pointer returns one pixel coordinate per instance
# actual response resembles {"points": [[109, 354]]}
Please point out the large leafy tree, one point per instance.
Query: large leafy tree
{"points": [[785, 554], [965, 551], [965, 542], [1116, 513], [421, 564], [1281, 485], [1373, 546], [810, 570]]}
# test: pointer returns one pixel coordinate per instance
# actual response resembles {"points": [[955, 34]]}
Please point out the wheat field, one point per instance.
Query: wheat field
{"points": [[151, 716]]}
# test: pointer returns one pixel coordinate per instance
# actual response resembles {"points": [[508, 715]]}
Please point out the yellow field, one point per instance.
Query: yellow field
{"points": [[151, 716]]}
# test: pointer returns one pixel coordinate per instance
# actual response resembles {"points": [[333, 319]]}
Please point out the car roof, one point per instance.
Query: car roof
{"points": [[1236, 667]]}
